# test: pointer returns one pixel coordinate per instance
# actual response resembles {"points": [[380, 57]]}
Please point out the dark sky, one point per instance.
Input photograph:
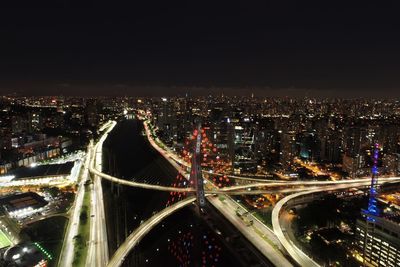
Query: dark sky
{"points": [[163, 47]]}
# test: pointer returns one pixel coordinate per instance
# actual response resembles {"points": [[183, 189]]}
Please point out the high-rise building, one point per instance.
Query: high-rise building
{"points": [[243, 159], [389, 137], [91, 113], [377, 238], [356, 138], [378, 242], [267, 142], [166, 120], [288, 149], [309, 146], [333, 148]]}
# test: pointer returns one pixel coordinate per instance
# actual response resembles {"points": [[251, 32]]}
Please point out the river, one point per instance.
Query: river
{"points": [[184, 238]]}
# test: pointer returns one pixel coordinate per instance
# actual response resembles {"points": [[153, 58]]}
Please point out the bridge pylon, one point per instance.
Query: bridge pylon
{"points": [[196, 175]]}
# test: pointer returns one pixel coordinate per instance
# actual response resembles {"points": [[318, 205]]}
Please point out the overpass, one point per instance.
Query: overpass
{"points": [[133, 239], [300, 198], [317, 186], [241, 189]]}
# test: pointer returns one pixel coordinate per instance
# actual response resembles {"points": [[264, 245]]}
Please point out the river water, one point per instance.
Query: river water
{"points": [[184, 238]]}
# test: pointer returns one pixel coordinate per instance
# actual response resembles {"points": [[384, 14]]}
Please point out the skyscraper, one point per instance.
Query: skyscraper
{"points": [[377, 238]]}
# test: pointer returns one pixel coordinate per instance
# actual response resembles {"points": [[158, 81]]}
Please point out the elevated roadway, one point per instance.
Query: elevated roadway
{"points": [[133, 239], [304, 187], [296, 253]]}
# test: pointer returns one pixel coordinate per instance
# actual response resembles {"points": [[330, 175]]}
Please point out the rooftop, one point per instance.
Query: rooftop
{"points": [[43, 170], [21, 201]]}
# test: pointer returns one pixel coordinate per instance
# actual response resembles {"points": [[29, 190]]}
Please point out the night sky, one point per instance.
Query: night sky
{"points": [[333, 48]]}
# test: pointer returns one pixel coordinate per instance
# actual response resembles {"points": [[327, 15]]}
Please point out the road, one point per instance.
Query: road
{"points": [[67, 252], [168, 154], [257, 234], [98, 243], [299, 256], [241, 189], [131, 241], [139, 185], [237, 189], [177, 162], [256, 237], [272, 183], [252, 233]]}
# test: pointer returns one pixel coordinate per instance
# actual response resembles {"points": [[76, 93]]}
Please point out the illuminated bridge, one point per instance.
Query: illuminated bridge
{"points": [[203, 183]]}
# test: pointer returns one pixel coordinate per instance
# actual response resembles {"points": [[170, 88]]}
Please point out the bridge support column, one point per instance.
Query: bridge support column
{"points": [[196, 175]]}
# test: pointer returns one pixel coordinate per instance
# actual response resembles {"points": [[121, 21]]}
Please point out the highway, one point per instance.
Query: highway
{"points": [[98, 243], [67, 252], [135, 237], [167, 153], [301, 258], [252, 233], [296, 253], [131, 241], [177, 162], [257, 235], [308, 185], [139, 185], [174, 160], [255, 238], [239, 189]]}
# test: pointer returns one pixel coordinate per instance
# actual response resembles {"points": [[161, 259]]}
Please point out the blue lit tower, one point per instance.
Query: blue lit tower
{"points": [[372, 212], [372, 203]]}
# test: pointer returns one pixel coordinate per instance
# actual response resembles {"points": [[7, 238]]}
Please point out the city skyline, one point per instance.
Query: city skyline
{"points": [[211, 133], [226, 180]]}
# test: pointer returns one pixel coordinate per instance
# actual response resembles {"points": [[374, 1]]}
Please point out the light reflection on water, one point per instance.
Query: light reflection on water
{"points": [[181, 240]]}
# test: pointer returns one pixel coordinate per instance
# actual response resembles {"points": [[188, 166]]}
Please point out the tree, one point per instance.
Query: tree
{"points": [[53, 191], [83, 217]]}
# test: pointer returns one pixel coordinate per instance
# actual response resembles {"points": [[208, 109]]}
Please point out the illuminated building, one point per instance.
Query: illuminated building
{"points": [[379, 242], [92, 112], [288, 149], [243, 158], [353, 165], [377, 238], [310, 146], [20, 205], [333, 149], [355, 140]]}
